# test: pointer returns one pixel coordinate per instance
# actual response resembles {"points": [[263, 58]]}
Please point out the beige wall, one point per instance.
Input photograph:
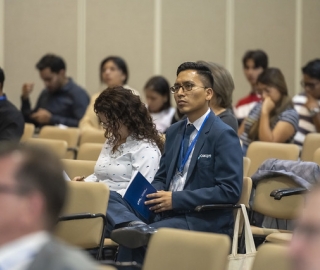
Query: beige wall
{"points": [[154, 36]]}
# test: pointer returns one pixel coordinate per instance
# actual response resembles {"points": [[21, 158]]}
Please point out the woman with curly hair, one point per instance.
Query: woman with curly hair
{"points": [[133, 143]]}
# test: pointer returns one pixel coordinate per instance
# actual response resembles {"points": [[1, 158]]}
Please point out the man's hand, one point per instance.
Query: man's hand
{"points": [[268, 105], [42, 116], [311, 103], [162, 201], [26, 90]]}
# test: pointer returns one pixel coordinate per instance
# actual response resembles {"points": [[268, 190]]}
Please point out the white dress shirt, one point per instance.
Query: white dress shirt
{"points": [[182, 178], [19, 254], [116, 169]]}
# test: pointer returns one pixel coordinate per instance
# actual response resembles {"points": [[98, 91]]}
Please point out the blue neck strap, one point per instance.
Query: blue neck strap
{"points": [[183, 160]]}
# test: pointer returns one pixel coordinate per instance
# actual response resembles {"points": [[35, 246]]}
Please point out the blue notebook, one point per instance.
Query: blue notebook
{"points": [[136, 194]]}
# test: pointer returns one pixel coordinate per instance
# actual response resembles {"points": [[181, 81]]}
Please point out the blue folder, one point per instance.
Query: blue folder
{"points": [[136, 194]]}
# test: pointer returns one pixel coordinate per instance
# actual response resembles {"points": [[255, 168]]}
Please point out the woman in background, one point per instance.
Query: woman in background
{"points": [[273, 119], [133, 144], [157, 91], [221, 102], [113, 72]]}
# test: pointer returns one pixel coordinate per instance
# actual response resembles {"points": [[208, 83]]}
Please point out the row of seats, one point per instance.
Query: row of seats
{"points": [[91, 199]]}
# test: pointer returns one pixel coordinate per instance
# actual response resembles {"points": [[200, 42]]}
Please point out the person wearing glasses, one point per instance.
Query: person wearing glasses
{"points": [[273, 119], [304, 247], [133, 143], [307, 104], [32, 194], [202, 164]]}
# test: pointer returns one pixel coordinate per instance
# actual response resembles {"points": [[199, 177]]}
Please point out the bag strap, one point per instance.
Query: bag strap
{"points": [[250, 247]]}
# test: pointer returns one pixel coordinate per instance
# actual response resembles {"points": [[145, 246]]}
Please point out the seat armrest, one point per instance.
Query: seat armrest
{"points": [[210, 207], [119, 265], [289, 192], [81, 216]]}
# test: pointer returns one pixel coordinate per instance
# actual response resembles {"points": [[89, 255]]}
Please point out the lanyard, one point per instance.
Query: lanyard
{"points": [[184, 159], [3, 97]]}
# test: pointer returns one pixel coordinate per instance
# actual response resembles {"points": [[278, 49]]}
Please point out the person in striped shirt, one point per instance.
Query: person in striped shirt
{"points": [[307, 103], [274, 119]]}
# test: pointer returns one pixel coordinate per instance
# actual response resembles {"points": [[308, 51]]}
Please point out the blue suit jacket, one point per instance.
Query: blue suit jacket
{"points": [[214, 176]]}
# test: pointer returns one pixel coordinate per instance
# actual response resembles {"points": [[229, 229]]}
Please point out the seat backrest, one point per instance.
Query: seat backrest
{"points": [[92, 136], [310, 144], [187, 250], [258, 152], [272, 256], [59, 147], [84, 197], [78, 167], [316, 156], [286, 208], [89, 151], [27, 132], [70, 135], [246, 191], [246, 166]]}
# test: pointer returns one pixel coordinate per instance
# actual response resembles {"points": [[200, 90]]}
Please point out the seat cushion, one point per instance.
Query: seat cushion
{"points": [[279, 238]]}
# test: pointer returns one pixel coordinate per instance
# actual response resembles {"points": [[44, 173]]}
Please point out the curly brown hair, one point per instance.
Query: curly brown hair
{"points": [[121, 107]]}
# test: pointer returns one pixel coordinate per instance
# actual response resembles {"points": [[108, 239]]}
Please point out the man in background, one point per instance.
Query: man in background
{"points": [[32, 194], [305, 244], [61, 102], [11, 119], [254, 63], [307, 104]]}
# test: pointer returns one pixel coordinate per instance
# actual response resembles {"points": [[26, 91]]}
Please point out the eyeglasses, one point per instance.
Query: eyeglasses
{"points": [[185, 87], [311, 86]]}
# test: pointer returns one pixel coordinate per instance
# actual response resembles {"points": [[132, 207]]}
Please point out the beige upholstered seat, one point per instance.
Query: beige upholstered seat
{"points": [[57, 146], [310, 145], [89, 151], [286, 208], [258, 152], [246, 166], [28, 132], [70, 135], [78, 167], [92, 136], [279, 238], [187, 250], [316, 156], [84, 197], [272, 256]]}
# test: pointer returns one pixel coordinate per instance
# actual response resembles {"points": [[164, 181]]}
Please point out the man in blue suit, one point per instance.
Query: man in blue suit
{"points": [[201, 164]]}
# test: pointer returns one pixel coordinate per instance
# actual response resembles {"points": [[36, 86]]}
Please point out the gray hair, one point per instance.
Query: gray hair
{"points": [[223, 84]]}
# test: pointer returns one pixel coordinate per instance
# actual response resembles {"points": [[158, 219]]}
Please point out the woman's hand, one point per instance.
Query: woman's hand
{"points": [[268, 105], [78, 178]]}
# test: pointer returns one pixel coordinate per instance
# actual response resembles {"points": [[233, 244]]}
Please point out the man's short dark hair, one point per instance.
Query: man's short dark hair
{"points": [[259, 57], [42, 171], [2, 78], [312, 69], [55, 63], [202, 70]]}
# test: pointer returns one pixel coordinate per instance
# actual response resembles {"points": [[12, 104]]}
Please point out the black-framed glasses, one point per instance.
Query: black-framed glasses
{"points": [[185, 87], [311, 86]]}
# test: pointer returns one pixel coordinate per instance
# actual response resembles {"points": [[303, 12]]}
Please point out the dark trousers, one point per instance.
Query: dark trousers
{"points": [[120, 212]]}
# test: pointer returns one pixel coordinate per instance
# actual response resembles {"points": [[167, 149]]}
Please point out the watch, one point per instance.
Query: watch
{"points": [[314, 111]]}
